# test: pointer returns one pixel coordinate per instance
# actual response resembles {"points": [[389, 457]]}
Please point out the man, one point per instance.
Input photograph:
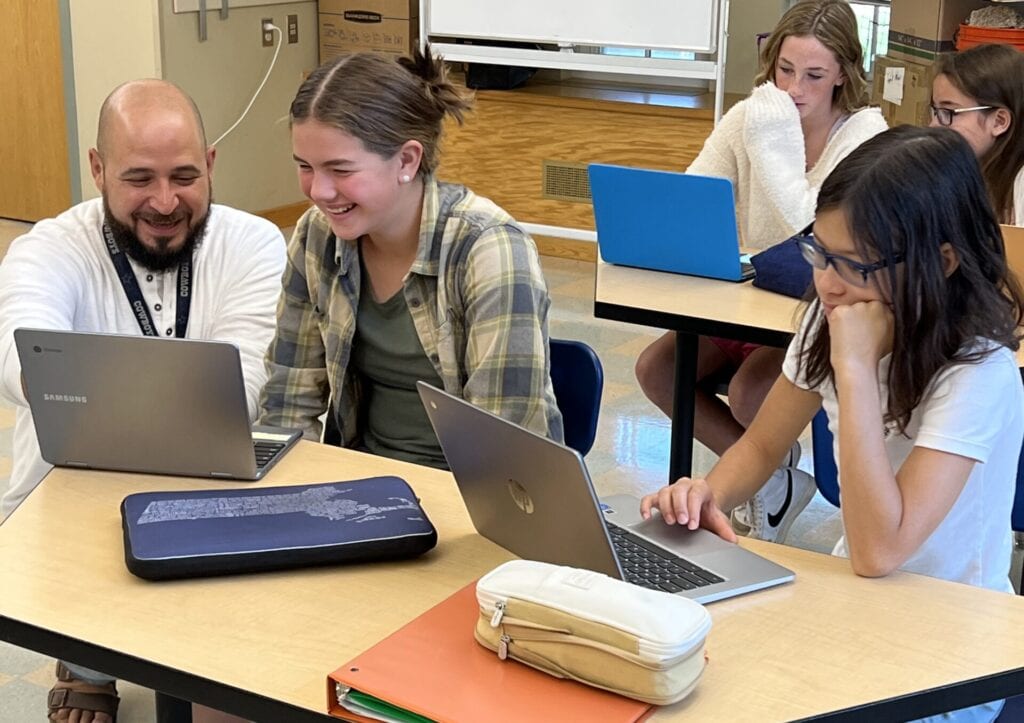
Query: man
{"points": [[152, 256]]}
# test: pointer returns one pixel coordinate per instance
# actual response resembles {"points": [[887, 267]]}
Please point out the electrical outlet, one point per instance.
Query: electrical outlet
{"points": [[293, 29], [266, 33]]}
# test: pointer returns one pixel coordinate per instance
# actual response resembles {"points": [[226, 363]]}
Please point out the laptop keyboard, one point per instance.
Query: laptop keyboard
{"points": [[265, 451], [647, 565]]}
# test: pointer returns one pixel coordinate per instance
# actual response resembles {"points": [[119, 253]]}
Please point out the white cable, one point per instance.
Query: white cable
{"points": [[280, 42]]}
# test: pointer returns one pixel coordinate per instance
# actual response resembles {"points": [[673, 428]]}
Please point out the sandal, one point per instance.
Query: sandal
{"points": [[70, 692]]}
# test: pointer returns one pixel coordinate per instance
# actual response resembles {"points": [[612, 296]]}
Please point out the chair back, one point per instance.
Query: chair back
{"points": [[826, 475], [577, 378]]}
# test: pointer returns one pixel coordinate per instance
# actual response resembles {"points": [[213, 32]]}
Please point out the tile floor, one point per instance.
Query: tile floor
{"points": [[630, 455]]}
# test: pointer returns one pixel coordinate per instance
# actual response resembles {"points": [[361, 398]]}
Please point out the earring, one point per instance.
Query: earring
{"points": [[406, 178]]}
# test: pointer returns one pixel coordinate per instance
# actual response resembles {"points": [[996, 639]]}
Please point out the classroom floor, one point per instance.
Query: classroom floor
{"points": [[630, 455]]}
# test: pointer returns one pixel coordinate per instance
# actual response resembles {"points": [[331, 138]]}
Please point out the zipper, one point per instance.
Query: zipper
{"points": [[655, 653], [499, 612], [503, 642]]}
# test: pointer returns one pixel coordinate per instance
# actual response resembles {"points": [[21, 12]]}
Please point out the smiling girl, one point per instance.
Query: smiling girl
{"points": [[909, 346], [394, 277], [807, 112]]}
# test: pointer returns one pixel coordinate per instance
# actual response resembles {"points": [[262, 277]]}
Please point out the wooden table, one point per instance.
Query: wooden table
{"points": [[692, 306], [830, 644]]}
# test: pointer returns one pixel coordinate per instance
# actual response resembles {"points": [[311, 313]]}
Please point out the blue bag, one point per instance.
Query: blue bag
{"points": [[225, 531], [782, 268]]}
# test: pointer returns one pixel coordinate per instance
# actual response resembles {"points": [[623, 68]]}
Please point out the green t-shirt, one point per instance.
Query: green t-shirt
{"points": [[388, 355]]}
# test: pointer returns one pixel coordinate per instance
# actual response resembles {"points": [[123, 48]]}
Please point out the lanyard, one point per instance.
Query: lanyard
{"points": [[131, 289]]}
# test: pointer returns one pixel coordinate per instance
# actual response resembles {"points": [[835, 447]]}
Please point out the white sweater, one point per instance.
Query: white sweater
{"points": [[60, 276], [759, 146]]}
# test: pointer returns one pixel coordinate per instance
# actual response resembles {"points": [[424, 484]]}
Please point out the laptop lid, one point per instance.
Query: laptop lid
{"points": [[141, 404], [534, 497], [666, 221]]}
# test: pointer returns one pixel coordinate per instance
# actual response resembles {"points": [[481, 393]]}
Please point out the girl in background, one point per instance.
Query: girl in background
{"points": [[909, 346], [979, 93], [806, 113]]}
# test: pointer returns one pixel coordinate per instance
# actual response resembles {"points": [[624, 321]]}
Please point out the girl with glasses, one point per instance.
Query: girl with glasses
{"points": [[807, 112], [979, 93], [909, 345]]}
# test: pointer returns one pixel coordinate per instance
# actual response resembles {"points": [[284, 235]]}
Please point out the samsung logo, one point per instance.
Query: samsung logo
{"points": [[70, 398]]}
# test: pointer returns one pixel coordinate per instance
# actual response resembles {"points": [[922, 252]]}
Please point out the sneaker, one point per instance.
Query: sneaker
{"points": [[742, 516], [770, 513]]}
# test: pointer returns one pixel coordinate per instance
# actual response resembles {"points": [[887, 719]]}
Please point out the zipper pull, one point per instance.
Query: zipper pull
{"points": [[499, 611], [503, 642]]}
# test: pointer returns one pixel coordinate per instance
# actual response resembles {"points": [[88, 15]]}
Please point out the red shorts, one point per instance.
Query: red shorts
{"points": [[736, 351]]}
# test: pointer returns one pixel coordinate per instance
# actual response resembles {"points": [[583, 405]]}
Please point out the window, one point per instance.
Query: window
{"points": [[873, 24]]}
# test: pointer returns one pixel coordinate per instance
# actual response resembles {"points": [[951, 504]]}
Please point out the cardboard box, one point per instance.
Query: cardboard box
{"points": [[384, 26], [921, 29], [385, 8], [903, 89]]}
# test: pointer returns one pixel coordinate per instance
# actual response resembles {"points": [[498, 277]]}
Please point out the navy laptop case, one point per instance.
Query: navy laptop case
{"points": [[226, 531]]}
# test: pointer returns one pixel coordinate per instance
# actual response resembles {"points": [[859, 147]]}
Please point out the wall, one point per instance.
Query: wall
{"points": [[747, 18], [111, 41], [254, 168]]}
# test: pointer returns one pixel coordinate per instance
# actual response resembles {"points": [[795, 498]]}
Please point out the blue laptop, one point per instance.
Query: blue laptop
{"points": [[667, 222]]}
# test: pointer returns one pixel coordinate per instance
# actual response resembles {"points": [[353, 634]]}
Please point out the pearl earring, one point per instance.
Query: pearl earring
{"points": [[406, 178]]}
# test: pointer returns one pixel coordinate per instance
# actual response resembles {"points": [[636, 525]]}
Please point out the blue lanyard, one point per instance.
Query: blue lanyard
{"points": [[131, 289]]}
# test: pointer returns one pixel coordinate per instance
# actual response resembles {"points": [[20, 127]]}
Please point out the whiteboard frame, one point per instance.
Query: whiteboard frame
{"points": [[565, 59], [563, 36]]}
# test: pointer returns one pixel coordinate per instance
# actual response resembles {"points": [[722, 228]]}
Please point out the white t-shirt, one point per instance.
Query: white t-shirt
{"points": [[60, 276], [972, 410]]}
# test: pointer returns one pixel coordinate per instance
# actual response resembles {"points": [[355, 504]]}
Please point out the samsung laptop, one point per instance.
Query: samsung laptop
{"points": [[534, 497], [143, 404], [667, 222]]}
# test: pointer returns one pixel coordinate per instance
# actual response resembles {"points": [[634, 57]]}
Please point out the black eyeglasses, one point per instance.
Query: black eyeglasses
{"points": [[945, 115], [850, 271]]}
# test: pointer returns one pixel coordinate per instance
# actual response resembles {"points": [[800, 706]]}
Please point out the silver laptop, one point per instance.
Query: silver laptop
{"points": [[143, 404], [534, 497]]}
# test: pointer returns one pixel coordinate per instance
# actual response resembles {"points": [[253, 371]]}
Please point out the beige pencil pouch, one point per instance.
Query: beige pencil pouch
{"points": [[588, 627]]}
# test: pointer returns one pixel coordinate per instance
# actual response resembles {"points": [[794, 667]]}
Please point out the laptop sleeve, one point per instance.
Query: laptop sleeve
{"points": [[227, 531]]}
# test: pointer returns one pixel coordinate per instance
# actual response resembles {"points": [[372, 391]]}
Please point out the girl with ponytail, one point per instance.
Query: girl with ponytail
{"points": [[395, 277]]}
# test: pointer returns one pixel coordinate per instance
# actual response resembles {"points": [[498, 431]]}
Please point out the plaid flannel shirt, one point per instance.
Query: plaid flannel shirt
{"points": [[478, 300]]}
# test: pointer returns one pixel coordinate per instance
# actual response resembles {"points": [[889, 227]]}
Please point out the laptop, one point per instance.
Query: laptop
{"points": [[144, 404], [667, 221], [534, 497]]}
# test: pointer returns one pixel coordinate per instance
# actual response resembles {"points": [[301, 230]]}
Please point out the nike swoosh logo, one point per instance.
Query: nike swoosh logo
{"points": [[775, 519]]}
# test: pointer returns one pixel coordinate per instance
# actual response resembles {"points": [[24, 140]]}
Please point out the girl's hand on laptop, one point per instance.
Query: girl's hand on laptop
{"points": [[689, 502]]}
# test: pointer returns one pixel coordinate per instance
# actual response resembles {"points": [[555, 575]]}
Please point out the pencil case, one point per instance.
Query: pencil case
{"points": [[585, 626], [228, 531]]}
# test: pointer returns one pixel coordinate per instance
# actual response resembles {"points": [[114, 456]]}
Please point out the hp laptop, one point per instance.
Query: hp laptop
{"points": [[142, 404], [534, 497], [667, 222]]}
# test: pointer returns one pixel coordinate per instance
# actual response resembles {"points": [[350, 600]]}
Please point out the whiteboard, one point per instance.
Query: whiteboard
{"points": [[671, 24]]}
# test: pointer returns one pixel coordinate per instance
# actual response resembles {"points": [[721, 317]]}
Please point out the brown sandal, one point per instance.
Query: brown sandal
{"points": [[70, 692]]}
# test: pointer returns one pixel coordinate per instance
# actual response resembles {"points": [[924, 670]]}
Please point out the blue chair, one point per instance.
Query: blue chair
{"points": [[826, 475], [578, 379]]}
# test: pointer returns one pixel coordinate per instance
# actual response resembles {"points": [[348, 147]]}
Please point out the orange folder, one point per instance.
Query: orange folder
{"points": [[434, 667]]}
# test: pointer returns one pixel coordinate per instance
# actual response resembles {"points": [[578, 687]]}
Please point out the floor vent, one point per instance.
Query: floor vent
{"points": [[565, 181]]}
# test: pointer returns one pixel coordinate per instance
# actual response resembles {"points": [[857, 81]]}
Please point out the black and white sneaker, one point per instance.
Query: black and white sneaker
{"points": [[769, 514]]}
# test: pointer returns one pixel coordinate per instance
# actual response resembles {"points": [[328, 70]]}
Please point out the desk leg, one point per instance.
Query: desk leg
{"points": [[681, 453], [172, 710]]}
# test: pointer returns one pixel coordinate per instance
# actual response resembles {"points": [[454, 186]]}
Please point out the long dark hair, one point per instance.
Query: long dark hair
{"points": [[908, 191], [384, 101], [994, 75]]}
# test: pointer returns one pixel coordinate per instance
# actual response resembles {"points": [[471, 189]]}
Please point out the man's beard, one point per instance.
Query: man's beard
{"points": [[161, 259]]}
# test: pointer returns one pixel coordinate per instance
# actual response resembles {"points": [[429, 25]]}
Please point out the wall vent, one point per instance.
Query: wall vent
{"points": [[565, 181]]}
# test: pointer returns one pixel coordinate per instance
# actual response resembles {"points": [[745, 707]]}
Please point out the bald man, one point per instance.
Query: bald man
{"points": [[152, 256]]}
